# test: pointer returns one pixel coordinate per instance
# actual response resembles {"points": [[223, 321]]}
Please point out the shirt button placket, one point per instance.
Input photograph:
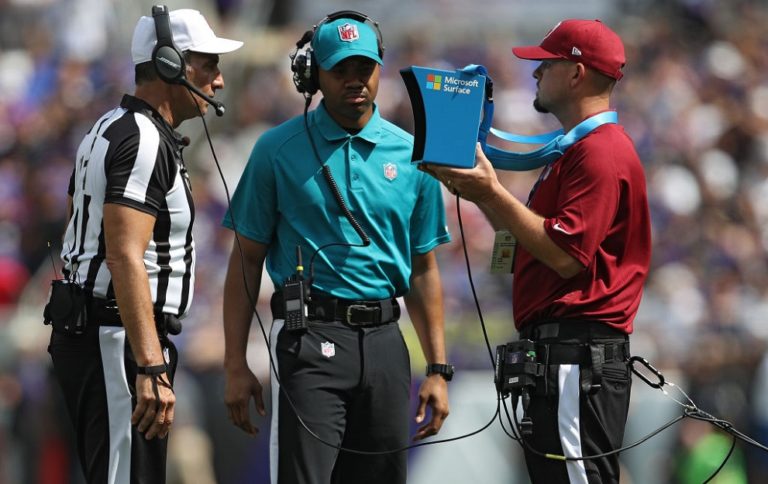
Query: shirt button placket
{"points": [[354, 169]]}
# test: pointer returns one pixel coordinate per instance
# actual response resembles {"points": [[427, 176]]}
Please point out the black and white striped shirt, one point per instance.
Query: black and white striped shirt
{"points": [[132, 156]]}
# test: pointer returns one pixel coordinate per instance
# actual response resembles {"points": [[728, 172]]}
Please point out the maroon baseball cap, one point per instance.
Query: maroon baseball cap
{"points": [[590, 42]]}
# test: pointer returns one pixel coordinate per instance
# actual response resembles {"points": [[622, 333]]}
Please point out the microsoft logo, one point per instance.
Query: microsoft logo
{"points": [[434, 82]]}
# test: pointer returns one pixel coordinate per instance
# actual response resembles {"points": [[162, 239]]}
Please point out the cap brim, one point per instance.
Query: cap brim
{"points": [[333, 59], [217, 45], [534, 52]]}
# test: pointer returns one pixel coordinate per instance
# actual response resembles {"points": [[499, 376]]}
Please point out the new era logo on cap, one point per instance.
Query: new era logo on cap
{"points": [[348, 32]]}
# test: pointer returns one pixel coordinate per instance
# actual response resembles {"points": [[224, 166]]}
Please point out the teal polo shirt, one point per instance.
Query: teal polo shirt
{"points": [[283, 201]]}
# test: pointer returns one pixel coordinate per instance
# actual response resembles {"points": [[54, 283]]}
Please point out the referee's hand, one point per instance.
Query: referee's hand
{"points": [[241, 384], [433, 392], [153, 415]]}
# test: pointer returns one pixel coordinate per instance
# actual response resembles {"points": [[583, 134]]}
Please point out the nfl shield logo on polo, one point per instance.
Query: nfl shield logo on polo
{"points": [[328, 349], [390, 171], [348, 32]]}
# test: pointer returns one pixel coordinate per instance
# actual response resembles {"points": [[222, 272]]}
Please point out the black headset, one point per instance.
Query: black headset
{"points": [[168, 59], [303, 62]]}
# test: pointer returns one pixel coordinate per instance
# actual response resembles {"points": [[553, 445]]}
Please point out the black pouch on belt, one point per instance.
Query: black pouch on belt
{"points": [[65, 311]]}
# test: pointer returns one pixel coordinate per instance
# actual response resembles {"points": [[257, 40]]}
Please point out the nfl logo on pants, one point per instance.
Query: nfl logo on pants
{"points": [[328, 349]]}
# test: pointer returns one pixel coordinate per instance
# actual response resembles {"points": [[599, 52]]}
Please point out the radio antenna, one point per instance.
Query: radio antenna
{"points": [[55, 272]]}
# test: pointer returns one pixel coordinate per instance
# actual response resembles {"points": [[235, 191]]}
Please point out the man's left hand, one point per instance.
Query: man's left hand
{"points": [[433, 392], [154, 412]]}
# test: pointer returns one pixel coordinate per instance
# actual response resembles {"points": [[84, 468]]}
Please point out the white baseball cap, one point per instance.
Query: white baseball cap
{"points": [[190, 32]]}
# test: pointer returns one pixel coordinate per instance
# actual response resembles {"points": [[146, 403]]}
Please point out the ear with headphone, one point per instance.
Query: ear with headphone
{"points": [[303, 64], [169, 61]]}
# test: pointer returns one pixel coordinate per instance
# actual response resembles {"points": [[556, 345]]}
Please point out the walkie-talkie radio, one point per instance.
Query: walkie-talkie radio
{"points": [[295, 294], [516, 366]]}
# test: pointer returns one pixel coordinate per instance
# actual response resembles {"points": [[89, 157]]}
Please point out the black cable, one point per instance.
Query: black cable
{"points": [[273, 366], [596, 456], [726, 426], [698, 414], [722, 464], [499, 396], [472, 282], [694, 413], [513, 435], [336, 195], [53, 265], [332, 183]]}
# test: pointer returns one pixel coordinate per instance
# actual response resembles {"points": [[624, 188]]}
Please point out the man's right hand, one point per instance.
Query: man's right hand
{"points": [[240, 386]]}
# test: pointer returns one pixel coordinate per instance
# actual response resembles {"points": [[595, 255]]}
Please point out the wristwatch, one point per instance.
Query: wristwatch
{"points": [[446, 371]]}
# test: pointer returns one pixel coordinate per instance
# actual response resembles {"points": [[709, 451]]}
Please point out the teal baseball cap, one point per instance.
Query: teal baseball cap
{"points": [[341, 38]]}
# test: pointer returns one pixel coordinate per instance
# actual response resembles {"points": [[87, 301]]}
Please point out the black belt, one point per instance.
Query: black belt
{"points": [[105, 312], [571, 331], [354, 313], [582, 354], [589, 344]]}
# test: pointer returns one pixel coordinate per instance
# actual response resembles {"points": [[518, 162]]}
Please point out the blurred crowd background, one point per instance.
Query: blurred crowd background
{"points": [[694, 98]]}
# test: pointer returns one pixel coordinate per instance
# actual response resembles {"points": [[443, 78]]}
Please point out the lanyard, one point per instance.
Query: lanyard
{"points": [[555, 143]]}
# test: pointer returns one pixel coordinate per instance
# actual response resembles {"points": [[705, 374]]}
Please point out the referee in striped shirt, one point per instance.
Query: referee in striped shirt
{"points": [[129, 247]]}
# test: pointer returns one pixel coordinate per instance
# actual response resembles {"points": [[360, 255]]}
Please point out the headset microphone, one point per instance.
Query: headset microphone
{"points": [[218, 106]]}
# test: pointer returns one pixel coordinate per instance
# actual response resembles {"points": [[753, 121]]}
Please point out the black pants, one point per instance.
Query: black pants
{"points": [[572, 421], [97, 373], [350, 386]]}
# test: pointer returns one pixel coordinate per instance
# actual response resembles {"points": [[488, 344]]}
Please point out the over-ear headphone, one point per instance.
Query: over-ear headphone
{"points": [[303, 64], [168, 59]]}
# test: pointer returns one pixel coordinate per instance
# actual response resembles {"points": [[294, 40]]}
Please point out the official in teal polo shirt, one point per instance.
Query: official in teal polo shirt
{"points": [[284, 201], [348, 372]]}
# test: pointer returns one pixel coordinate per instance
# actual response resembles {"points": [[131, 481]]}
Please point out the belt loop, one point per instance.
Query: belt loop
{"points": [[544, 349], [323, 309], [547, 330], [387, 311], [597, 355]]}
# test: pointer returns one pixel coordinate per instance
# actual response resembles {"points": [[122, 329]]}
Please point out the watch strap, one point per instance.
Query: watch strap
{"points": [[445, 370], [151, 370]]}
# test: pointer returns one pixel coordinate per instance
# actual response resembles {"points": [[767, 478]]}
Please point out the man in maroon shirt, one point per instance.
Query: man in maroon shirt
{"points": [[583, 250]]}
